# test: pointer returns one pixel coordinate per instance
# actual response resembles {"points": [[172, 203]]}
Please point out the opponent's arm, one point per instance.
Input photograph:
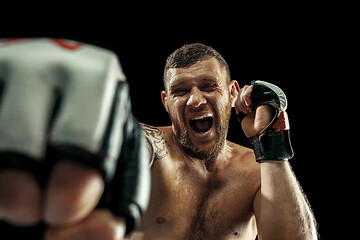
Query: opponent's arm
{"points": [[66, 122], [281, 209]]}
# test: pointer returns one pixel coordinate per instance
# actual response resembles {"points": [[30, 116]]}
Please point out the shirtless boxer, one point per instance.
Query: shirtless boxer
{"points": [[203, 186]]}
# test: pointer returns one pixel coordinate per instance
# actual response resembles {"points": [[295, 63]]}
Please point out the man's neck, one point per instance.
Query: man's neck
{"points": [[211, 164]]}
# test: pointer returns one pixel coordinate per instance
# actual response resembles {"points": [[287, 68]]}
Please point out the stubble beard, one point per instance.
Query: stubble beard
{"points": [[207, 154]]}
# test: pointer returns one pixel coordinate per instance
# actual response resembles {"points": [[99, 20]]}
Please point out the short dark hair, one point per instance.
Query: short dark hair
{"points": [[190, 54]]}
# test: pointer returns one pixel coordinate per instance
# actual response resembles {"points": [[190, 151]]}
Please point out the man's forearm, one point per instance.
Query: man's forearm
{"points": [[284, 212]]}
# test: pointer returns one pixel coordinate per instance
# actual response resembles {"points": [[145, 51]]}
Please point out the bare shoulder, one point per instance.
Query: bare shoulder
{"points": [[243, 152], [157, 139], [247, 170], [244, 156]]}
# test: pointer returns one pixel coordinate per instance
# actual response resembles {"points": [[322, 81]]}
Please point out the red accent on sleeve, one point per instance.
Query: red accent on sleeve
{"points": [[282, 123], [69, 45], [8, 41]]}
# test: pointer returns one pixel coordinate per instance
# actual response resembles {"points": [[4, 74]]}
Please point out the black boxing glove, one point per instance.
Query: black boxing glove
{"points": [[128, 193], [62, 99], [273, 142]]}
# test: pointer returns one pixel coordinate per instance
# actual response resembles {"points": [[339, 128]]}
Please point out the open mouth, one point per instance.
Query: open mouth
{"points": [[201, 125]]}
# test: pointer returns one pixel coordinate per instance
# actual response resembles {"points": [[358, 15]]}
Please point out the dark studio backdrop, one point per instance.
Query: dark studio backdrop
{"points": [[296, 61]]}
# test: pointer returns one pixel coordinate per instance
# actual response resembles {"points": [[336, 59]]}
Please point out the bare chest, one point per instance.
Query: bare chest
{"points": [[187, 204]]}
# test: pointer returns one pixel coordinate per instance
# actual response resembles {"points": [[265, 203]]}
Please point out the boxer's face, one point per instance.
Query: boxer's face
{"points": [[199, 102]]}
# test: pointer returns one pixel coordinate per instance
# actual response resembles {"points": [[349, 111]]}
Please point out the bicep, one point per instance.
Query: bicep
{"points": [[257, 211]]}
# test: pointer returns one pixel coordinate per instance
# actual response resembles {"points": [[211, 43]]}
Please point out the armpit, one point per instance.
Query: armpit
{"points": [[157, 140]]}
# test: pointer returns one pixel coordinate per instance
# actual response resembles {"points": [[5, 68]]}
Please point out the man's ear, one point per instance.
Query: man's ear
{"points": [[234, 91], [164, 100]]}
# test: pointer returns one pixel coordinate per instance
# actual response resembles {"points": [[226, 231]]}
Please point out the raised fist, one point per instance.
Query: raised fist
{"points": [[68, 139]]}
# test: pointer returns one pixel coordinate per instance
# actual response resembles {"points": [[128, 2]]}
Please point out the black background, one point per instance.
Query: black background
{"points": [[298, 57]]}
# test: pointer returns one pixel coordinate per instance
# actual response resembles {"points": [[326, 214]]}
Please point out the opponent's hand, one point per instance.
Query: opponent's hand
{"points": [[255, 120], [68, 140], [100, 224]]}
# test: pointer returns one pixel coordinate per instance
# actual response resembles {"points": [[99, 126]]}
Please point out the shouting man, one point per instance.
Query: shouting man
{"points": [[205, 187], [73, 156]]}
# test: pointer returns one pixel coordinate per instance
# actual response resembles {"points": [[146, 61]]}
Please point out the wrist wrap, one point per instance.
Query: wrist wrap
{"points": [[273, 142]]}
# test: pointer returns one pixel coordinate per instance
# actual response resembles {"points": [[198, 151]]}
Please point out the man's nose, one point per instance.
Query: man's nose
{"points": [[196, 98]]}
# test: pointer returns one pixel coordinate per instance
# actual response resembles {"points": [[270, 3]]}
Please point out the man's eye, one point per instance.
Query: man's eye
{"points": [[180, 91], [208, 87]]}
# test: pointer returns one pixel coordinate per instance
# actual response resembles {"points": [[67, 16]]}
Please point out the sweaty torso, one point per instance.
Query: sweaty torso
{"points": [[190, 202]]}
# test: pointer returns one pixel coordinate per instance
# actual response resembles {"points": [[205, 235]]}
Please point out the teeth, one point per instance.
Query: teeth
{"points": [[198, 118]]}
